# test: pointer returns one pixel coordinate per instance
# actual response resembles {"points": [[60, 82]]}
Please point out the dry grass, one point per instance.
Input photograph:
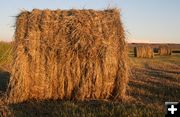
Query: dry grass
{"points": [[5, 55], [165, 51], [143, 52], [74, 54]]}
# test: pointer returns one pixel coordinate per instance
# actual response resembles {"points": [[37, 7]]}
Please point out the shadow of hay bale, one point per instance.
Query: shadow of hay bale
{"points": [[155, 50], [4, 80], [91, 108]]}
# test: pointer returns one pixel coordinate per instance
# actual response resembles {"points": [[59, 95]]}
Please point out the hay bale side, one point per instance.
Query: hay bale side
{"points": [[143, 52], [74, 54], [165, 51]]}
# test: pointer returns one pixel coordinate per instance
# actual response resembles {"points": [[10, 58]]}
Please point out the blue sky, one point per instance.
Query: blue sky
{"points": [[144, 20]]}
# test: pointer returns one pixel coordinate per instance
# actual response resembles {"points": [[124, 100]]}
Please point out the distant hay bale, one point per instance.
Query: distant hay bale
{"points": [[69, 54], [143, 52], [165, 51]]}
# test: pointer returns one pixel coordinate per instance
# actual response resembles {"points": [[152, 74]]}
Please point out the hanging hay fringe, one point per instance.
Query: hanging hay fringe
{"points": [[4, 109], [5, 112], [74, 54], [165, 50], [143, 52]]}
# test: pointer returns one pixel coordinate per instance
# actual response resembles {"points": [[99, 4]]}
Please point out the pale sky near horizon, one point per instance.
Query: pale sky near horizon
{"points": [[153, 21]]}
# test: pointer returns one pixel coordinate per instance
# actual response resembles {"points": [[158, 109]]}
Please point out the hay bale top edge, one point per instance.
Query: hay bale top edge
{"points": [[108, 11]]}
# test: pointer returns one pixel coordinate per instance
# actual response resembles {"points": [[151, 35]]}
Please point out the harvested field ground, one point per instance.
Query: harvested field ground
{"points": [[152, 82]]}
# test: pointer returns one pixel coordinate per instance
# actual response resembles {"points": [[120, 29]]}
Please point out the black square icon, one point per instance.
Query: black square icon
{"points": [[172, 109]]}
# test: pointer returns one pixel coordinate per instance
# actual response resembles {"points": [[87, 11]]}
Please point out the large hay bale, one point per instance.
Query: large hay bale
{"points": [[69, 54], [165, 50], [143, 52]]}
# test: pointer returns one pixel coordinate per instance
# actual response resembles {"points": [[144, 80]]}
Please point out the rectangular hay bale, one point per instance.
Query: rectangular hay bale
{"points": [[143, 52], [165, 51], [69, 54]]}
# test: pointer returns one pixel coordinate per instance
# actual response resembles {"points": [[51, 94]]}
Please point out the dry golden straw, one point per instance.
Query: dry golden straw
{"points": [[165, 50], [69, 54], [143, 52]]}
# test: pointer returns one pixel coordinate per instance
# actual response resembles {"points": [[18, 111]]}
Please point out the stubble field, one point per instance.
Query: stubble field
{"points": [[151, 83]]}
